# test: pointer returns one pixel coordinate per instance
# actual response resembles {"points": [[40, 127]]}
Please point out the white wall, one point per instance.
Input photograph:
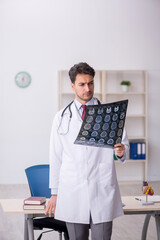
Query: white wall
{"points": [[42, 37]]}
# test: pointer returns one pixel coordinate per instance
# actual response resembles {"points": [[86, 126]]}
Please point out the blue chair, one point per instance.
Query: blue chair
{"points": [[38, 179]]}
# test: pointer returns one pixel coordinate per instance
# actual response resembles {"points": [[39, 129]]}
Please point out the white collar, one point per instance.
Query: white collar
{"points": [[78, 104]]}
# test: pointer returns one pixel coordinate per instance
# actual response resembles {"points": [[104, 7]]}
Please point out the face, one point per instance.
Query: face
{"points": [[83, 87]]}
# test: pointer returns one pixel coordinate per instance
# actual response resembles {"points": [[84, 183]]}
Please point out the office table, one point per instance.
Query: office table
{"points": [[15, 206], [131, 207]]}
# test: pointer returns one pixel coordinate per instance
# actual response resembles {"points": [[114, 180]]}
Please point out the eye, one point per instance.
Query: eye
{"points": [[81, 84], [91, 83]]}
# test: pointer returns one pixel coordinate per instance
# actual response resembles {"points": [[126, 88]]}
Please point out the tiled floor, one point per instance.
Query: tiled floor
{"points": [[124, 228]]}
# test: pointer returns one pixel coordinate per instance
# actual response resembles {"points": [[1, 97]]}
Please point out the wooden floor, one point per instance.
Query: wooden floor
{"points": [[124, 228]]}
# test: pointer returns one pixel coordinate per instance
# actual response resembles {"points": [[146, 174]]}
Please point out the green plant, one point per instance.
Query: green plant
{"points": [[127, 83]]}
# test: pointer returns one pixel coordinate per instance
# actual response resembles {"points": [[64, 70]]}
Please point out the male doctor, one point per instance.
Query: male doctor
{"points": [[83, 180]]}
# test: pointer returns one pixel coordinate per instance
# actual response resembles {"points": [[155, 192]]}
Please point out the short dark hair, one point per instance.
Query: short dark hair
{"points": [[80, 68]]}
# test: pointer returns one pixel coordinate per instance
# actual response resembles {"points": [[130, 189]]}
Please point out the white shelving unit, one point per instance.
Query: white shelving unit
{"points": [[108, 89]]}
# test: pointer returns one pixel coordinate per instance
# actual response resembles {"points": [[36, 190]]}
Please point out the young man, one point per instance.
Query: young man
{"points": [[83, 179]]}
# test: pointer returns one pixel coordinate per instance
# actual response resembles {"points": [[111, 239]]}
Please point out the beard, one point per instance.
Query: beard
{"points": [[84, 97]]}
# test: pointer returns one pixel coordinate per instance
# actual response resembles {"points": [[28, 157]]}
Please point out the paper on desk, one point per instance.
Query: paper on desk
{"points": [[154, 198]]}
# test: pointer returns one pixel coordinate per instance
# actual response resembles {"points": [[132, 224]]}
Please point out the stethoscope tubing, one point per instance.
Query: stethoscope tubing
{"points": [[69, 107]]}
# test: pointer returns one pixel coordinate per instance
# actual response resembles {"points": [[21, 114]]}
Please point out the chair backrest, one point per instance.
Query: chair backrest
{"points": [[38, 179]]}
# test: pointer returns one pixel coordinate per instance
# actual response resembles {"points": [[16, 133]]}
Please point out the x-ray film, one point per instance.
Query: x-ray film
{"points": [[103, 125]]}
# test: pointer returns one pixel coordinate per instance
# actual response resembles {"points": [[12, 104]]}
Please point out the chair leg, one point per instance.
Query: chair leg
{"points": [[60, 236]]}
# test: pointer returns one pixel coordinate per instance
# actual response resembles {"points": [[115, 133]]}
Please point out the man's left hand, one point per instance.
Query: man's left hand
{"points": [[119, 149]]}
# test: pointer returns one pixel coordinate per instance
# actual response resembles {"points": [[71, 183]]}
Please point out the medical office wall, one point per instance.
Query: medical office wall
{"points": [[42, 37]]}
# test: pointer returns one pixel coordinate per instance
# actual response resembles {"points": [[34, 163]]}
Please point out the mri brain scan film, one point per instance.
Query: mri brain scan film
{"points": [[103, 125]]}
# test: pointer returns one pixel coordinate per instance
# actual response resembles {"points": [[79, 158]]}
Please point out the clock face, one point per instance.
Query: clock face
{"points": [[23, 79]]}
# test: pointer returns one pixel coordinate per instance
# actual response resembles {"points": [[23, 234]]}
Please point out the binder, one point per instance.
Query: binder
{"points": [[143, 151], [137, 150], [133, 150]]}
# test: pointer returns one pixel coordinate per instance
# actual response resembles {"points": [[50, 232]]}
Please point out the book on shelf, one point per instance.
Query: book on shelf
{"points": [[34, 206], [35, 200]]}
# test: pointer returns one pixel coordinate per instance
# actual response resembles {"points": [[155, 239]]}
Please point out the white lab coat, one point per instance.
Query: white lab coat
{"points": [[84, 175]]}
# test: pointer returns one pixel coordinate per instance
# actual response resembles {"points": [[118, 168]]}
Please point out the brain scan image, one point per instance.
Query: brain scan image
{"points": [[122, 115], [108, 110], [120, 125], [87, 126], [103, 125], [98, 119], [100, 110], [103, 134], [82, 138], [113, 125], [96, 126], [107, 118], [118, 140], [116, 108], [112, 134], [101, 141], [92, 139], [119, 133], [115, 117], [110, 141], [91, 111], [89, 119], [85, 133], [94, 134]]}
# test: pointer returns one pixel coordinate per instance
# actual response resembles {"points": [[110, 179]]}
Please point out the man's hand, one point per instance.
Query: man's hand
{"points": [[51, 206], [119, 149]]}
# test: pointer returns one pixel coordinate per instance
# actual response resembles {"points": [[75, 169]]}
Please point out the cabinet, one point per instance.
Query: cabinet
{"points": [[108, 89]]}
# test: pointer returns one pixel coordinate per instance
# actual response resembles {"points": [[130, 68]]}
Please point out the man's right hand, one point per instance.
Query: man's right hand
{"points": [[51, 206]]}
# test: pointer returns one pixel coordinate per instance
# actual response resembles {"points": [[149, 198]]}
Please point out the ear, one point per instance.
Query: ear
{"points": [[72, 86]]}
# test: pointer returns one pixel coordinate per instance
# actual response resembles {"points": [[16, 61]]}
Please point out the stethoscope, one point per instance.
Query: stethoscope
{"points": [[70, 117]]}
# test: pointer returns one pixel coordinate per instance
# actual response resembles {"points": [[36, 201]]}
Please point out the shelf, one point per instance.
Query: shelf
{"points": [[132, 161], [125, 93], [108, 89], [137, 138], [72, 93], [135, 116], [67, 93]]}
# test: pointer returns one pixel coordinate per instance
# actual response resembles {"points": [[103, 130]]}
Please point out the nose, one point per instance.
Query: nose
{"points": [[87, 88]]}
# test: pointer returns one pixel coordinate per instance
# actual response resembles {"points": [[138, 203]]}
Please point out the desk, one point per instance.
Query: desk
{"points": [[131, 207], [15, 206]]}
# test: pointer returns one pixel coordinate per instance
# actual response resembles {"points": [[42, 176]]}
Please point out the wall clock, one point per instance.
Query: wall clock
{"points": [[22, 79]]}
